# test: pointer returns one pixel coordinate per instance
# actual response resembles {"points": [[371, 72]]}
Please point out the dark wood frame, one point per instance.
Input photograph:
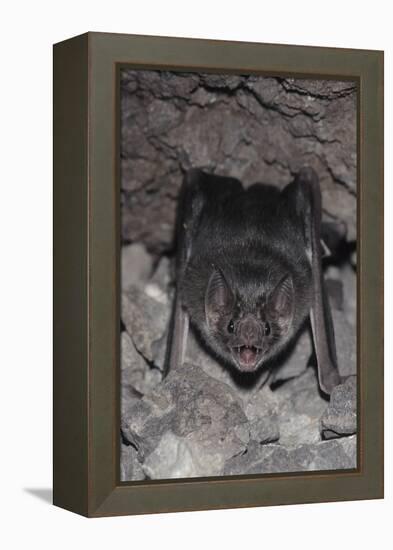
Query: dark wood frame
{"points": [[86, 275]]}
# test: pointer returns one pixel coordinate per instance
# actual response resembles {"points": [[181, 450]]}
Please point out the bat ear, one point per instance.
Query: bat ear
{"points": [[219, 298], [281, 302]]}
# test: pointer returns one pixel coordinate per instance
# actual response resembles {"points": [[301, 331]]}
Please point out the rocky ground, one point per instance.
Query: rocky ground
{"points": [[203, 420]]}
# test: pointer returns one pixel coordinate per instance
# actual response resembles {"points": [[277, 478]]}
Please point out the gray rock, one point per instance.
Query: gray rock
{"points": [[265, 459], [261, 411], [182, 457], [132, 367], [136, 265], [336, 454], [146, 319], [340, 418], [174, 457], [129, 357], [129, 396], [260, 459], [252, 127], [135, 371], [200, 417], [163, 276], [295, 362], [300, 407], [130, 468]]}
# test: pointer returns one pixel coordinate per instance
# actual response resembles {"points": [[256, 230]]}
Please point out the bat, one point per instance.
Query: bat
{"points": [[249, 273]]}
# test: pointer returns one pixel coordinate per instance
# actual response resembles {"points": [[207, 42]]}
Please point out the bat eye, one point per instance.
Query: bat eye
{"points": [[267, 329], [231, 326]]}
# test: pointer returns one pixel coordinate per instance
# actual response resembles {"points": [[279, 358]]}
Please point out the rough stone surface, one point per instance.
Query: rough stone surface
{"points": [[136, 265], [340, 418], [335, 454], [266, 459], [130, 467], [262, 413], [135, 371], [251, 127], [163, 275], [300, 407], [146, 320], [194, 407], [262, 459]]}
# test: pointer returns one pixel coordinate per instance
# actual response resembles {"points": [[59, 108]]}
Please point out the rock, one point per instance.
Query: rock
{"points": [[260, 459], [129, 357], [296, 360], [146, 320], [135, 371], [340, 418], [173, 457], [266, 459], [261, 411], [252, 127], [180, 457], [201, 418], [300, 407], [162, 276], [159, 286], [154, 291], [336, 454], [130, 468], [136, 265], [129, 396]]}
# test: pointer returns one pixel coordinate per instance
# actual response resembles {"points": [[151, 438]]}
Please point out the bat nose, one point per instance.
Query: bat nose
{"points": [[249, 330]]}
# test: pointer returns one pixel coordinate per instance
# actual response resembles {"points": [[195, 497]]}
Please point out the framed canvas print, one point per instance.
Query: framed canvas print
{"points": [[218, 261]]}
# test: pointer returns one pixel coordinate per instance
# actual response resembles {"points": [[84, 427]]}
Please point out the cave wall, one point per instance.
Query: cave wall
{"points": [[254, 128]]}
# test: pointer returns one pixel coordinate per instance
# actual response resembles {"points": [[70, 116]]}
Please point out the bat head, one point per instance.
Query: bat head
{"points": [[247, 328]]}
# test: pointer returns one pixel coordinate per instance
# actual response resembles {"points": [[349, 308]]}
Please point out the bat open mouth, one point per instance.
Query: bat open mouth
{"points": [[247, 357]]}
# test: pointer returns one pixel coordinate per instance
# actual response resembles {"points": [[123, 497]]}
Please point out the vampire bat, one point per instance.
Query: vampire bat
{"points": [[249, 272]]}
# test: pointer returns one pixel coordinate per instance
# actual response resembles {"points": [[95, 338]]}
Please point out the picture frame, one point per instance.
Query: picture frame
{"points": [[87, 274]]}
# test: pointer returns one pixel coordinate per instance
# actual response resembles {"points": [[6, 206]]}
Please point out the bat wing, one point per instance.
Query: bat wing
{"points": [[199, 191], [305, 196]]}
